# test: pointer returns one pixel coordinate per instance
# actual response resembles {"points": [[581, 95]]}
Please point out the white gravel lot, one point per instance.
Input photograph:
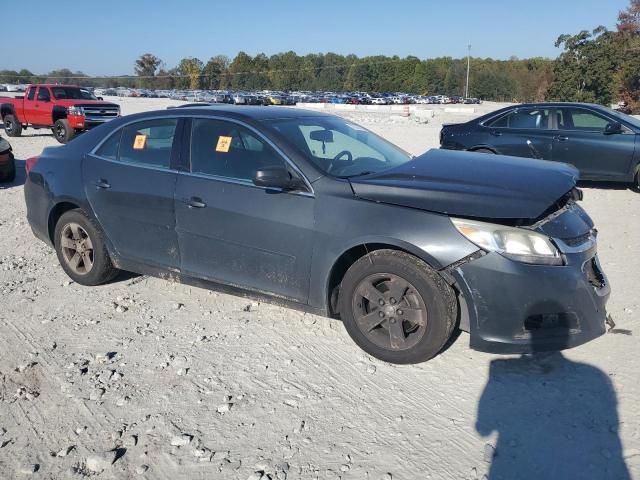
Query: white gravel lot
{"points": [[150, 379]]}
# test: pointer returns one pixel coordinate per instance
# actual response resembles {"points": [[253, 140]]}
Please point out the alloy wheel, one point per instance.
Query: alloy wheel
{"points": [[77, 249], [389, 311]]}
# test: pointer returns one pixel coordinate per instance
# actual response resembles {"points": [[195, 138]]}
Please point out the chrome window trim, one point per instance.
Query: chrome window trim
{"points": [[244, 183], [310, 193]]}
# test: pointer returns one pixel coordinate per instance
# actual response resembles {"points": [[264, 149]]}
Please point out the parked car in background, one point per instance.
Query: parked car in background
{"points": [[599, 142], [7, 162], [328, 216], [65, 109]]}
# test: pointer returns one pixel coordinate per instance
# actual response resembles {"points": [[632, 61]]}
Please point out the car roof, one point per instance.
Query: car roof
{"points": [[558, 104], [250, 112]]}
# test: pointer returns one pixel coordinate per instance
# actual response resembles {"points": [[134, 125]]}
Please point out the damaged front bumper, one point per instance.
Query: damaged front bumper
{"points": [[513, 307]]}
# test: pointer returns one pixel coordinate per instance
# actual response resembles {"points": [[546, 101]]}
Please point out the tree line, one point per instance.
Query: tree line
{"points": [[504, 80], [599, 66]]}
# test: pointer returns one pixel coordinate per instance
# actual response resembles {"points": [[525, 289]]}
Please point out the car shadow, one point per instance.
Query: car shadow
{"points": [[607, 185], [21, 176], [554, 418]]}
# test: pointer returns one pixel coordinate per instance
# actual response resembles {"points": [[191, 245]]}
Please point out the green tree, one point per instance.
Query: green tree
{"points": [[145, 67], [584, 72], [190, 71], [213, 72]]}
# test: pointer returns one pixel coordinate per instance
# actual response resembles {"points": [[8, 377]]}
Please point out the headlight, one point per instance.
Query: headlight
{"points": [[75, 111], [514, 243]]}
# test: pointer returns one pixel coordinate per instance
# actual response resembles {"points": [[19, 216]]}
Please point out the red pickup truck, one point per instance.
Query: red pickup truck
{"points": [[65, 109]]}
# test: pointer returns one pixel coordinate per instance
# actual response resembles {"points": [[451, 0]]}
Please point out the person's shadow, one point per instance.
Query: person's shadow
{"points": [[555, 419]]}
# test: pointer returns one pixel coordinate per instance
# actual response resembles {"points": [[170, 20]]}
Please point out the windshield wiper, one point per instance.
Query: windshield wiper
{"points": [[366, 172]]}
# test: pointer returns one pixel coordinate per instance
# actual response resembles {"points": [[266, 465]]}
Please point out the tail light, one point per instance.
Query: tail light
{"points": [[29, 164]]}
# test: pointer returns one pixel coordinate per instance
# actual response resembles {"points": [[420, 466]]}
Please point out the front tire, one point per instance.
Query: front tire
{"points": [[12, 126], [63, 131], [81, 250], [397, 308]]}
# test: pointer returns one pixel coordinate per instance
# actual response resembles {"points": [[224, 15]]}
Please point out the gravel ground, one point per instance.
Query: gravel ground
{"points": [[150, 379]]}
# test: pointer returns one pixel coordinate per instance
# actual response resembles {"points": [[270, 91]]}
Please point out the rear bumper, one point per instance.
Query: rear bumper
{"points": [[519, 308], [38, 208]]}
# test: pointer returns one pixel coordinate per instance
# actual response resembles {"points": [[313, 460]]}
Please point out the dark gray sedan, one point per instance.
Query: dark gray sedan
{"points": [[601, 143], [325, 215]]}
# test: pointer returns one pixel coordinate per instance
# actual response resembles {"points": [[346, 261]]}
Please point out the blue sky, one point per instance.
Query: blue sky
{"points": [[106, 37]]}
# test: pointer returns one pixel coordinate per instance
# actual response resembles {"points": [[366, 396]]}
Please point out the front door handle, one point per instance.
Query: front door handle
{"points": [[196, 202], [495, 133], [103, 184], [562, 138]]}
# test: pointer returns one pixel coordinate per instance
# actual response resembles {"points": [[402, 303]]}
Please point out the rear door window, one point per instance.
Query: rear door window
{"points": [[226, 149], [527, 118], [147, 143]]}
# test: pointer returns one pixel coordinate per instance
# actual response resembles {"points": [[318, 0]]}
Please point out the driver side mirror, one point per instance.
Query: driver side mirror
{"points": [[277, 177], [613, 128]]}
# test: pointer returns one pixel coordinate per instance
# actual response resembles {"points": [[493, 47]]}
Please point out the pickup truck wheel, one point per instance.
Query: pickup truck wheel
{"points": [[81, 250], [63, 131], [396, 307], [12, 126]]}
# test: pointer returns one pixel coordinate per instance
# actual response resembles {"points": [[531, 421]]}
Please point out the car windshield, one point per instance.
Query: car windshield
{"points": [[72, 93], [338, 147]]}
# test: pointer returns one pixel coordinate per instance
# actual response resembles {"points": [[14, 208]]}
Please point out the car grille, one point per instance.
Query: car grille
{"points": [[100, 113]]}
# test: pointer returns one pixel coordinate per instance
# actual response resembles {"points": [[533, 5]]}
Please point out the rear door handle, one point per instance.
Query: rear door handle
{"points": [[103, 184], [196, 202], [562, 138]]}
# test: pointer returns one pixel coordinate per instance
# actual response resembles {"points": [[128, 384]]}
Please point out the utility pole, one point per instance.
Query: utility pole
{"points": [[466, 88]]}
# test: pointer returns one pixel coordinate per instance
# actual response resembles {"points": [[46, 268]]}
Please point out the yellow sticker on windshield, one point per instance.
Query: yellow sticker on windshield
{"points": [[224, 144], [139, 142]]}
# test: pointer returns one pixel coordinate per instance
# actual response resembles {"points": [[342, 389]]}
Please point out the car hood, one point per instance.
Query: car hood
{"points": [[67, 102], [470, 184]]}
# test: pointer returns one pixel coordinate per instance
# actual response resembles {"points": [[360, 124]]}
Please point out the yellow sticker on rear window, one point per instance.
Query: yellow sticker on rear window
{"points": [[224, 144], [139, 142]]}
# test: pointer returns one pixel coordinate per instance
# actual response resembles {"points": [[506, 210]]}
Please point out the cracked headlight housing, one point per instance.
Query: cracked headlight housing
{"points": [[515, 243]]}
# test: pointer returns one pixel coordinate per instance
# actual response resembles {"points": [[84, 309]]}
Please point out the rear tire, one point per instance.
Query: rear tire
{"points": [[81, 250], [397, 308], [63, 131], [12, 126]]}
